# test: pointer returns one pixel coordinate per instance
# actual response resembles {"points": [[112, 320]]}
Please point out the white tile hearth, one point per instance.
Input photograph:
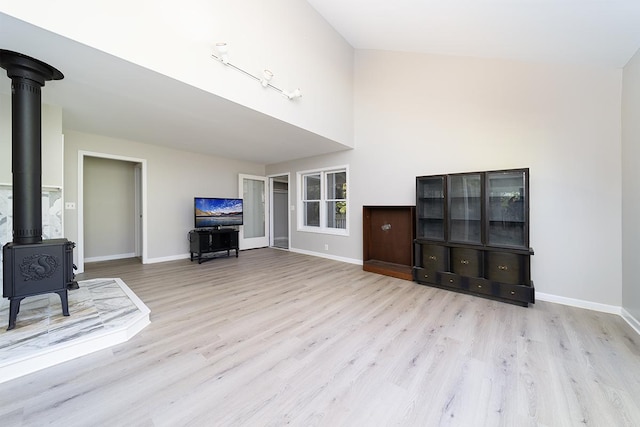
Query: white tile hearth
{"points": [[104, 312]]}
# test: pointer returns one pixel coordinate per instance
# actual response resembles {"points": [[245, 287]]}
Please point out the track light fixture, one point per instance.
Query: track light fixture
{"points": [[222, 50], [267, 75], [296, 93]]}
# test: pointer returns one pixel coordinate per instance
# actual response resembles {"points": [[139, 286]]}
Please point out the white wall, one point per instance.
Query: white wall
{"points": [[631, 187], [174, 179], [109, 209], [177, 39], [426, 114], [52, 144]]}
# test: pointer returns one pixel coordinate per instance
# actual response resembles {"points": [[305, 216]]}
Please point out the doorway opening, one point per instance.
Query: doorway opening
{"points": [[279, 214], [92, 215]]}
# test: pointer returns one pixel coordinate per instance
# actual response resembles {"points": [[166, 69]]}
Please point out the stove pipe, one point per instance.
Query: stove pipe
{"points": [[27, 76]]}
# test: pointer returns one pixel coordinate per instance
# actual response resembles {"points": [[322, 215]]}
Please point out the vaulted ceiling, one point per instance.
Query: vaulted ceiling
{"points": [[170, 113], [589, 32]]}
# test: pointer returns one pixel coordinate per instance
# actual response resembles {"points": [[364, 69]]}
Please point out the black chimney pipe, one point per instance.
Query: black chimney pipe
{"points": [[27, 76]]}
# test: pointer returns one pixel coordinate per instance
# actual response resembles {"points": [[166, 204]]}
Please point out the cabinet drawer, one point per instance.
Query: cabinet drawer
{"points": [[481, 286], [452, 280], [504, 267], [435, 258], [467, 262], [424, 275], [515, 292]]}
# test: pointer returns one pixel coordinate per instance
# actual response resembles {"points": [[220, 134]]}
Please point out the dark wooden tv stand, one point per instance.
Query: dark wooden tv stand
{"points": [[209, 241]]}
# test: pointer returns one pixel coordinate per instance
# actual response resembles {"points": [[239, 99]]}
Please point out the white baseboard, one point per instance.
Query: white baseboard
{"points": [[109, 257], [300, 251], [328, 256], [589, 305], [167, 258], [604, 308], [632, 321]]}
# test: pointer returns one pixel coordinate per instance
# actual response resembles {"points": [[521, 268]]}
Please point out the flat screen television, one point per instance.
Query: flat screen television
{"points": [[215, 212]]}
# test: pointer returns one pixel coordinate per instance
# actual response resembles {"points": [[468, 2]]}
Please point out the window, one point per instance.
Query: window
{"points": [[323, 201]]}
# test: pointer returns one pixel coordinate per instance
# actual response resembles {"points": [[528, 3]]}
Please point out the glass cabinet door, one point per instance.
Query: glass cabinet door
{"points": [[430, 207], [507, 207], [465, 208]]}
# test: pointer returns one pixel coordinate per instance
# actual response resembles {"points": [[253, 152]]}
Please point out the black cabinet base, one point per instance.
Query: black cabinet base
{"points": [[521, 295], [208, 256], [205, 245], [487, 296]]}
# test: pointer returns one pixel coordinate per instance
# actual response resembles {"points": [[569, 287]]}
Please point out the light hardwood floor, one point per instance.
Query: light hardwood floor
{"points": [[274, 338]]}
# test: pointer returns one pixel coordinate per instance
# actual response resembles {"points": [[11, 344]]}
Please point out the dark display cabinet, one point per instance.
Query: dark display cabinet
{"points": [[472, 234], [430, 200]]}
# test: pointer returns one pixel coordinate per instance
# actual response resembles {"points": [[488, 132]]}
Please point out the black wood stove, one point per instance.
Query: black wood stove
{"points": [[31, 266]]}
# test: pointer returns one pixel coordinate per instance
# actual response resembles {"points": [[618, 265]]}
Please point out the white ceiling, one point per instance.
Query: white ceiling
{"points": [[593, 32], [105, 95]]}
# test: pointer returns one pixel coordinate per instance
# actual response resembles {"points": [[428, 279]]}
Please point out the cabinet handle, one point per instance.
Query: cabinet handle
{"points": [[464, 261], [479, 286], [513, 292], [426, 276], [503, 267], [432, 257], [450, 280]]}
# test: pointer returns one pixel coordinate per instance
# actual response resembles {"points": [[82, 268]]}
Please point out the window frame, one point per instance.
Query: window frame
{"points": [[324, 200]]}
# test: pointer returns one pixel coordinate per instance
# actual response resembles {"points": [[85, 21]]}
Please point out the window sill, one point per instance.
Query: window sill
{"points": [[331, 231]]}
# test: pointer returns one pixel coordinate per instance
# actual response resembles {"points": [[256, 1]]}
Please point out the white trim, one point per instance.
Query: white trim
{"points": [[322, 229], [80, 243], [589, 305], [80, 215], [167, 258], [327, 256], [62, 209], [137, 214], [632, 321], [109, 257]]}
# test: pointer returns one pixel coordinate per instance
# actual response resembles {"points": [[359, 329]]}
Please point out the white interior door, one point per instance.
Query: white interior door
{"points": [[253, 191]]}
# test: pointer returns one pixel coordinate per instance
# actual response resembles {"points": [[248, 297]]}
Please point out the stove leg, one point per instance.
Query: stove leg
{"points": [[65, 302], [14, 308]]}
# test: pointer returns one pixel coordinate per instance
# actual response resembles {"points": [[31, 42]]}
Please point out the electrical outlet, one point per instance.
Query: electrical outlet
{"points": [[326, 247], [69, 205]]}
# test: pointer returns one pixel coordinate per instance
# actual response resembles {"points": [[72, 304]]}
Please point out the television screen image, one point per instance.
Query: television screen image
{"points": [[217, 212]]}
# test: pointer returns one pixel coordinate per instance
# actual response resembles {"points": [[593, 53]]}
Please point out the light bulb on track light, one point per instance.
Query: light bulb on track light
{"points": [[223, 52], [267, 75]]}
